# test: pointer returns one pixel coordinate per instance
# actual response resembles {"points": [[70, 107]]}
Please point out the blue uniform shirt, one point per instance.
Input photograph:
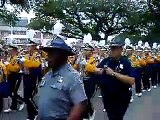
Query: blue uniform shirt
{"points": [[59, 92], [112, 85]]}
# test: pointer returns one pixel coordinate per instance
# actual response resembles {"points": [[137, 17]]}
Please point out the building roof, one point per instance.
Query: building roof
{"points": [[17, 37]]}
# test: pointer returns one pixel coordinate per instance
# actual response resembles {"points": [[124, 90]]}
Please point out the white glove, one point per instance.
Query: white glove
{"points": [[23, 59], [6, 63], [46, 63], [83, 62]]}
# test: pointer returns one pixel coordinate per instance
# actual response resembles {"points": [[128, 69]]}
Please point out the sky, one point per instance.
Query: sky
{"points": [[23, 14]]}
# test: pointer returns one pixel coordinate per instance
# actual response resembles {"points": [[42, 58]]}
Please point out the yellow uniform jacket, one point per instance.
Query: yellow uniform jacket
{"points": [[149, 59], [32, 60], [3, 71], [13, 65], [91, 65], [134, 61], [157, 58]]}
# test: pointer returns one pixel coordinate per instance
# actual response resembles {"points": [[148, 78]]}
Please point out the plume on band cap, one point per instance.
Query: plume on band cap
{"points": [[146, 45], [127, 42], [140, 43], [154, 46]]}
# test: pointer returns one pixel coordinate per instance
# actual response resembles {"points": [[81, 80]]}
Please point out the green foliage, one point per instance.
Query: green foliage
{"points": [[11, 17], [130, 18], [95, 17], [8, 17]]}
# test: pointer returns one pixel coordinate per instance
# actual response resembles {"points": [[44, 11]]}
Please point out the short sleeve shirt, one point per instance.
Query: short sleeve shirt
{"points": [[59, 92], [112, 85]]}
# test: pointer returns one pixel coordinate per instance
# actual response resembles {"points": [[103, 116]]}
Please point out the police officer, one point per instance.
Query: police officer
{"points": [[14, 78], [61, 94], [115, 74]]}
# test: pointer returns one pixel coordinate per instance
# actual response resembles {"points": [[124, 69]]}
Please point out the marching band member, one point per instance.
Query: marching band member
{"points": [[154, 66], [14, 78], [32, 65], [147, 70], [141, 64], [136, 69], [3, 74], [158, 63], [89, 82], [72, 61], [2, 66]]}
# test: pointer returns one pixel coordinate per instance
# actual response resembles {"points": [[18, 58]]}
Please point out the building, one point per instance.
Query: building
{"points": [[19, 29]]}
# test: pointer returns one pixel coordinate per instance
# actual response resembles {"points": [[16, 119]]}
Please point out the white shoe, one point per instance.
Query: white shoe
{"points": [[149, 89], [21, 107], [93, 116], [143, 90], [131, 100], [36, 117], [140, 94], [8, 110], [100, 96], [136, 94], [155, 87]]}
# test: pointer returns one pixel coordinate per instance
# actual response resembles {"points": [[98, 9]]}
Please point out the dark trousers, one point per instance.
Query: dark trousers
{"points": [[154, 75], [89, 86], [1, 103], [14, 80], [116, 104], [30, 81], [146, 76], [138, 76], [158, 70]]}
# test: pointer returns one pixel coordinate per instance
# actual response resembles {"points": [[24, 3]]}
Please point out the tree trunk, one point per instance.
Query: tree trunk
{"points": [[106, 39]]}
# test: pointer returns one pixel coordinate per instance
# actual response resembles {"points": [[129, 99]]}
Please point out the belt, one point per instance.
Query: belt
{"points": [[86, 78], [60, 119]]}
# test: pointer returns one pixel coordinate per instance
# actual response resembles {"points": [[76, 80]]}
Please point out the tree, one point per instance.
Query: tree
{"points": [[95, 17], [153, 20], [10, 17]]}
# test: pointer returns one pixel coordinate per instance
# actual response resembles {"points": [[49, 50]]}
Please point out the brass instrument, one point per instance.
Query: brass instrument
{"points": [[2, 76]]}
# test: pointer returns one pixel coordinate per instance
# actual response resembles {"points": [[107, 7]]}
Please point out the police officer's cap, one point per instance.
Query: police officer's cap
{"points": [[117, 42], [57, 43]]}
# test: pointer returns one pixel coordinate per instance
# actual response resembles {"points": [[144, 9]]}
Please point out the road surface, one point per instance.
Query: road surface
{"points": [[145, 108]]}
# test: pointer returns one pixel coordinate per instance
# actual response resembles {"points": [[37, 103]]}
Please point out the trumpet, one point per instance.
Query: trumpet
{"points": [[21, 60]]}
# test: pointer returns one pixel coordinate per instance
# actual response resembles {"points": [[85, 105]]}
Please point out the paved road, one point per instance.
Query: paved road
{"points": [[145, 108]]}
